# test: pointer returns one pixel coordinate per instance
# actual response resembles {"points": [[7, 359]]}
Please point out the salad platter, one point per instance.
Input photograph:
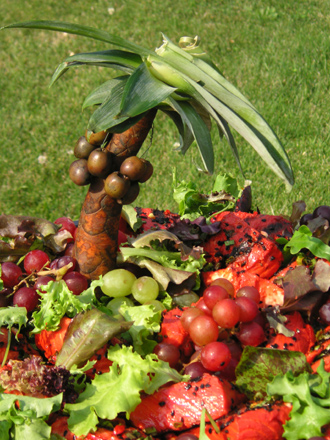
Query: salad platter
{"points": [[231, 345]]}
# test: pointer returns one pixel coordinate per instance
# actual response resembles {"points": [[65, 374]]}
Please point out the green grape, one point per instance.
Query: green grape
{"points": [[118, 283], [158, 306], [115, 304], [145, 289]]}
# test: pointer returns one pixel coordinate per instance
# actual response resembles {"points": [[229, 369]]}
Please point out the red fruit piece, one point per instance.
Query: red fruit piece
{"points": [[179, 406], [102, 364], [252, 251], [263, 423], [302, 340], [155, 218], [50, 342], [172, 331]]}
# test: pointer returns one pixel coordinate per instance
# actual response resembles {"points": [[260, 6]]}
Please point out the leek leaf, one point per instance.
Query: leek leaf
{"points": [[143, 92]]}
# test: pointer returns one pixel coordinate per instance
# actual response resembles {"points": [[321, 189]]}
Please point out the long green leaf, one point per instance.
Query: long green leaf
{"points": [[115, 59], [84, 31], [143, 92], [186, 136], [273, 154], [271, 148], [199, 129], [105, 116], [207, 67], [224, 129], [101, 93]]}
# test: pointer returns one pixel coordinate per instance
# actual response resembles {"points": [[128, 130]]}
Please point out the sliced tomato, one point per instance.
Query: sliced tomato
{"points": [[302, 340], [51, 342]]}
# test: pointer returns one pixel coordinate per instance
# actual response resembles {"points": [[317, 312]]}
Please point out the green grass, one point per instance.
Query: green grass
{"points": [[275, 52]]}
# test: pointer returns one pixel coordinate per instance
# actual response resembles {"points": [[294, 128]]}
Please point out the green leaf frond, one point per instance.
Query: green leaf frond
{"points": [[180, 80]]}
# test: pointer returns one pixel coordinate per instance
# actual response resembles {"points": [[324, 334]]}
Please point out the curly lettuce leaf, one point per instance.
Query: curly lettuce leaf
{"points": [[119, 390], [146, 323], [193, 204], [26, 420], [58, 301], [309, 396], [10, 316]]}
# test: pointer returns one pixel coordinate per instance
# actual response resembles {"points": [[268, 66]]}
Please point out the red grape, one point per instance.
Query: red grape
{"points": [[203, 330], [35, 261], [235, 348], [251, 333], [226, 284], [26, 297], [76, 282], [249, 292], [228, 373], [42, 281], [189, 315], [248, 309], [64, 261], [213, 294], [69, 250], [168, 353], [10, 274], [215, 356], [260, 319], [226, 313], [195, 369], [67, 225], [203, 307]]}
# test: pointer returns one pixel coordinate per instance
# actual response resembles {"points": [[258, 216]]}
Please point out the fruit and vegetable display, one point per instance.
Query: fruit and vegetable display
{"points": [[209, 323]]}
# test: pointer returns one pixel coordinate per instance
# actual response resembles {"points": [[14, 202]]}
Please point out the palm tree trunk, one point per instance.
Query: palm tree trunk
{"points": [[97, 233]]}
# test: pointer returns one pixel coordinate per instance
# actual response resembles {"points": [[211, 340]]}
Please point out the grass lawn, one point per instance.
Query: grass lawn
{"points": [[275, 52]]}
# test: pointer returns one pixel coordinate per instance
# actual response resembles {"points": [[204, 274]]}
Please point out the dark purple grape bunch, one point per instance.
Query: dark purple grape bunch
{"points": [[121, 182]]}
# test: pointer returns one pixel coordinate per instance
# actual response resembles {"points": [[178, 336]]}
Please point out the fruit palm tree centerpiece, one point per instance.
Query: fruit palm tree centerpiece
{"points": [[180, 81]]}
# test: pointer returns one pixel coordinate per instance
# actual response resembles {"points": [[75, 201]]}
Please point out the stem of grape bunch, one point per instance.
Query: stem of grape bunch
{"points": [[97, 233]]}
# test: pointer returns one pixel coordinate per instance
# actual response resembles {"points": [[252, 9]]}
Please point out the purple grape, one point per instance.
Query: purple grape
{"points": [[42, 281], [76, 282], [26, 297], [10, 274], [195, 369]]}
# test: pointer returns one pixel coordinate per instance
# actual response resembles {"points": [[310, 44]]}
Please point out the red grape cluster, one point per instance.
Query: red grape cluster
{"points": [[23, 282], [219, 325], [121, 180]]}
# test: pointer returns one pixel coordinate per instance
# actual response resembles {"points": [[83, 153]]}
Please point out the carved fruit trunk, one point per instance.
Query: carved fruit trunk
{"points": [[97, 232]]}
